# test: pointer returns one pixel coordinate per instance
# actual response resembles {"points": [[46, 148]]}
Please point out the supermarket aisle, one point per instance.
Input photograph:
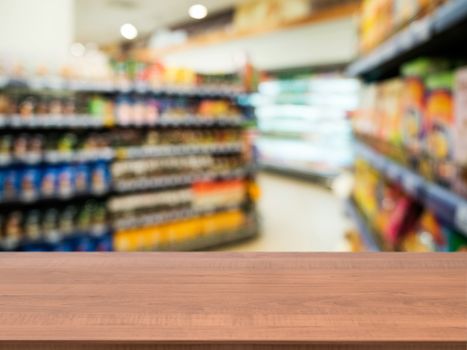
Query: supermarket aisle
{"points": [[297, 215]]}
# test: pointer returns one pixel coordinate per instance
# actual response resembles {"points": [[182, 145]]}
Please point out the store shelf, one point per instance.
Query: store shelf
{"points": [[447, 206], [56, 157], [46, 121], [177, 150], [88, 241], [437, 34], [214, 240], [176, 180], [128, 153], [368, 235], [164, 217], [43, 122], [196, 121], [123, 88], [47, 127], [41, 201]]}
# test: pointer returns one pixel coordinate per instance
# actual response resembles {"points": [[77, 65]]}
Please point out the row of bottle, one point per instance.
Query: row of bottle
{"points": [[131, 169], [34, 147], [29, 183], [125, 109], [52, 225], [142, 209], [167, 235]]}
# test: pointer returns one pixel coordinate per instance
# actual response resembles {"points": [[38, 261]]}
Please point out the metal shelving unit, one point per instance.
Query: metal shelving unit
{"points": [[440, 33], [101, 237], [368, 235], [448, 206]]}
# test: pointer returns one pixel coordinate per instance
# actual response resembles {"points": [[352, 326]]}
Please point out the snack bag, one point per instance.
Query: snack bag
{"points": [[426, 237]]}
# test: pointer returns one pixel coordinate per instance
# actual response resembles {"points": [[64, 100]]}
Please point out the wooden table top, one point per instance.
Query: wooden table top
{"points": [[233, 297]]}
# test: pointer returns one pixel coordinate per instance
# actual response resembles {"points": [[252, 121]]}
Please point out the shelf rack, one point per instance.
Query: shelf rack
{"points": [[447, 206], [121, 88], [171, 181], [368, 235], [439, 33], [84, 122]]}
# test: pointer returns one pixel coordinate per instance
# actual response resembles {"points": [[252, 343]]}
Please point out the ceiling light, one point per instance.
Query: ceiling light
{"points": [[77, 50], [198, 11], [128, 31]]}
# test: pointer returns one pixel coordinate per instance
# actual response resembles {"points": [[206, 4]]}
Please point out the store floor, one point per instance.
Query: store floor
{"points": [[297, 215]]}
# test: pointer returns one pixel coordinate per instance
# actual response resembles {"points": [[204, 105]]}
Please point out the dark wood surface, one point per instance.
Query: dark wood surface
{"points": [[254, 301]]}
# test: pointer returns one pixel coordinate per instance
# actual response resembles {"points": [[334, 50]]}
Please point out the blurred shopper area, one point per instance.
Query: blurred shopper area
{"points": [[240, 125]]}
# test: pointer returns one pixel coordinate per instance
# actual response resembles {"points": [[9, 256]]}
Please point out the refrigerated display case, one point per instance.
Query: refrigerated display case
{"points": [[303, 126]]}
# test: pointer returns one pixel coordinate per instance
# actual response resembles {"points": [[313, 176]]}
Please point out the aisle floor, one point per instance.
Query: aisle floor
{"points": [[297, 215]]}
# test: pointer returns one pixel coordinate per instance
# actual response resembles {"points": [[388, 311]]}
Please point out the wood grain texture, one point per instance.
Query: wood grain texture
{"points": [[154, 300], [283, 346]]}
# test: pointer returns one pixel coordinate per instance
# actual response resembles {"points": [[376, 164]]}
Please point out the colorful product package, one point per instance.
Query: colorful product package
{"points": [[456, 242], [440, 127], [392, 111], [30, 183], [10, 184], [50, 228], [123, 109], [32, 225], [65, 181], [66, 223], [100, 177], [460, 133], [151, 112], [402, 219], [427, 236], [12, 230], [138, 110], [413, 109], [49, 180], [82, 178], [414, 124]]}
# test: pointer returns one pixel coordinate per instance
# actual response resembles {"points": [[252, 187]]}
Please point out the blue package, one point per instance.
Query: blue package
{"points": [[123, 108], [104, 243], [64, 246], [30, 182], [82, 178], [85, 244], [65, 181], [10, 184], [2, 178], [100, 177], [49, 181], [34, 247]]}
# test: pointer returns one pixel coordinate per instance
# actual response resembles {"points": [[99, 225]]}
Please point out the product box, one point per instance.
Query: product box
{"points": [[427, 235], [456, 242], [440, 127], [391, 111], [414, 123], [413, 108], [460, 131]]}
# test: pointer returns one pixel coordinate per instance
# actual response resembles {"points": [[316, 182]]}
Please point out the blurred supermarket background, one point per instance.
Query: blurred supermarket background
{"points": [[254, 125]]}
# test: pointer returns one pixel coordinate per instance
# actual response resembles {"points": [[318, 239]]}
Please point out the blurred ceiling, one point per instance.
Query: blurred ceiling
{"points": [[99, 21]]}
